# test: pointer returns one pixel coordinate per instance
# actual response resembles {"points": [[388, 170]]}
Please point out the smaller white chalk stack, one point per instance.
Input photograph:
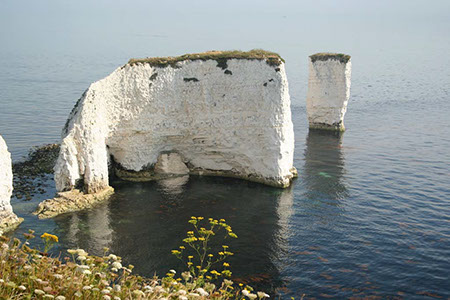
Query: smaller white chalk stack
{"points": [[328, 90], [8, 220]]}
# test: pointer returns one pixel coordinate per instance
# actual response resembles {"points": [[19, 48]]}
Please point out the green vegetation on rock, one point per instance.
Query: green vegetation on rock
{"points": [[272, 58], [343, 58]]}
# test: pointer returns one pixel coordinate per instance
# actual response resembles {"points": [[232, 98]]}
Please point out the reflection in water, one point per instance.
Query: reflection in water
{"points": [[99, 228], [143, 222], [88, 229], [316, 232], [324, 167], [173, 186]]}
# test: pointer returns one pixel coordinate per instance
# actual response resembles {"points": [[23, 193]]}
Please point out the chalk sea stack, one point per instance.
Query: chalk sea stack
{"points": [[218, 113], [8, 220], [328, 90]]}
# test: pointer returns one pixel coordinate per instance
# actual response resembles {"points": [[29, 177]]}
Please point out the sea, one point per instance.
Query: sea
{"points": [[369, 214]]}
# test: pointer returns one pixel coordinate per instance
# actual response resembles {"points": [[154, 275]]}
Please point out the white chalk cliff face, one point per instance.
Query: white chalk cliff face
{"points": [[7, 217], [199, 117], [328, 91]]}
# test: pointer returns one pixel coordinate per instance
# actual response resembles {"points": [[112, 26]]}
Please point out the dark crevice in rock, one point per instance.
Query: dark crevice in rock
{"points": [[222, 63], [191, 79], [153, 77], [79, 184]]}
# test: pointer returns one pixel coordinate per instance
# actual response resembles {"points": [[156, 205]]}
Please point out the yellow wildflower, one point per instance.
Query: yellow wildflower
{"points": [[225, 264], [48, 236], [232, 234]]}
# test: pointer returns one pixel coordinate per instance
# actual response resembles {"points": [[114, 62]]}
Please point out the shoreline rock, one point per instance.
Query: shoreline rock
{"points": [[71, 201], [31, 175]]}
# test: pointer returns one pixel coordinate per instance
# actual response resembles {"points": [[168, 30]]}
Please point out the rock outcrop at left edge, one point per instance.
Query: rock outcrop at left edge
{"points": [[8, 219]]}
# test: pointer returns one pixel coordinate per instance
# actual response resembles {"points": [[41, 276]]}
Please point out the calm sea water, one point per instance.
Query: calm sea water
{"points": [[369, 214]]}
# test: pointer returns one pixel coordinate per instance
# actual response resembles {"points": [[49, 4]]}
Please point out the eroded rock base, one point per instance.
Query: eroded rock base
{"points": [[332, 127], [283, 182], [172, 164], [71, 201], [150, 175]]}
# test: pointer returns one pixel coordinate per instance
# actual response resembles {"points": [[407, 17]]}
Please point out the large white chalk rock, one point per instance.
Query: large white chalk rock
{"points": [[328, 90], [221, 115], [8, 220]]}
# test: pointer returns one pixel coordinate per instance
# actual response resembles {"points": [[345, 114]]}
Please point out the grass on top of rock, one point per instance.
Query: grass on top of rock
{"points": [[343, 58], [272, 58]]}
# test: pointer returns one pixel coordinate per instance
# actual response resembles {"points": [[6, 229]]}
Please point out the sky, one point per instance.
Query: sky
{"points": [[55, 25]]}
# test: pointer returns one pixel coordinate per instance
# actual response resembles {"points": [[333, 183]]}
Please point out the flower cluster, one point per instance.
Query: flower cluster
{"points": [[49, 237], [197, 241], [28, 273], [49, 240]]}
